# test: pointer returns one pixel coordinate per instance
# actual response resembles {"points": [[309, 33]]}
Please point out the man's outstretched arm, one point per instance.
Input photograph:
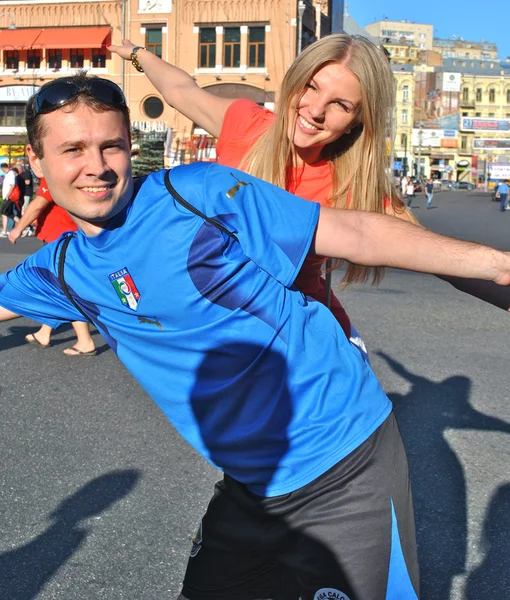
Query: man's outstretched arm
{"points": [[378, 240]]}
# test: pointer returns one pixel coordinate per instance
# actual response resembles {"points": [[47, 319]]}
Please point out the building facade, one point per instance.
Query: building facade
{"points": [[391, 32], [233, 48]]}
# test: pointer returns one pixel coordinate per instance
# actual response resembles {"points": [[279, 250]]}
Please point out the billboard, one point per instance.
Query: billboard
{"points": [[435, 138], [436, 100], [483, 143], [499, 170], [480, 124], [451, 82]]}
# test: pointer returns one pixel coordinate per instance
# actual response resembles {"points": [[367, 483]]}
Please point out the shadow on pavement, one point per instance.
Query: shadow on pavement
{"points": [[439, 486], [26, 570], [492, 578]]}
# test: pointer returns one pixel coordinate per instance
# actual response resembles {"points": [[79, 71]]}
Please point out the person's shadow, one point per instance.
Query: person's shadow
{"points": [[26, 570], [437, 478], [492, 578]]}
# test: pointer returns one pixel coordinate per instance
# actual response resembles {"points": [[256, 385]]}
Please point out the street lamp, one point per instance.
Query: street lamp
{"points": [[301, 9], [12, 24]]}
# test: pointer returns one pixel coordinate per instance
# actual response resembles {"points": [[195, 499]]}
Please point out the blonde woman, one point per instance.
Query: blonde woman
{"points": [[326, 142]]}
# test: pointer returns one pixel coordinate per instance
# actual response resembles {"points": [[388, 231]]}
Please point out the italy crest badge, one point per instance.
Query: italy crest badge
{"points": [[125, 287]]}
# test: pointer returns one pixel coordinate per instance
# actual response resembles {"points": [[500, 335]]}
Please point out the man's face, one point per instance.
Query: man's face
{"points": [[86, 163]]}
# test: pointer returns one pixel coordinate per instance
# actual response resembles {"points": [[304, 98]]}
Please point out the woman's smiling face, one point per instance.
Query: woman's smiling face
{"points": [[327, 109]]}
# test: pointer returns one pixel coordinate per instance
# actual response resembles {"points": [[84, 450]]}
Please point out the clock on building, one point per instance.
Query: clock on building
{"points": [[154, 6]]}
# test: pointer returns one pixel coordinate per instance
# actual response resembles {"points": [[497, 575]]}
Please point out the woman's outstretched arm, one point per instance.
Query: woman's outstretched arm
{"points": [[179, 89]]}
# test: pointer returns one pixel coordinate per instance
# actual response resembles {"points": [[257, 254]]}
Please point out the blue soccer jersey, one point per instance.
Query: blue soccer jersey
{"points": [[260, 379]]}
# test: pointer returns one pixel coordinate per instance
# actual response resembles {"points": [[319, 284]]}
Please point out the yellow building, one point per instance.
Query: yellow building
{"points": [[417, 34], [234, 49]]}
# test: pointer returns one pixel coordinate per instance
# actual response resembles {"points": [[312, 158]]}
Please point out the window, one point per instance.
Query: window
{"points": [[465, 114], [478, 94], [33, 59], [54, 59], [492, 115], [403, 139], [98, 59], [11, 58], [153, 107], [404, 115], [154, 40], [257, 47], [465, 94], [508, 96], [12, 115], [463, 142], [405, 92], [232, 47], [492, 95], [207, 47], [478, 114], [76, 58]]}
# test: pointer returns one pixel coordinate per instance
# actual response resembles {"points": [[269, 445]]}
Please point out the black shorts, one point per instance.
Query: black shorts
{"points": [[10, 209], [348, 535]]}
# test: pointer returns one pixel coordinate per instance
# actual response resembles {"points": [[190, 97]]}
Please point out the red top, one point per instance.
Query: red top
{"points": [[54, 220], [243, 124]]}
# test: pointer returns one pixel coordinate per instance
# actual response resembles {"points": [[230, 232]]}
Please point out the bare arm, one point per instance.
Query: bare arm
{"points": [[179, 89], [32, 212], [372, 239], [487, 291]]}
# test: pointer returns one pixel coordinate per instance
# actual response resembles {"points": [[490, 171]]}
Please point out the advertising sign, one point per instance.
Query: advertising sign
{"points": [[480, 124], [499, 170], [435, 138], [434, 106], [491, 143], [17, 93], [451, 82]]}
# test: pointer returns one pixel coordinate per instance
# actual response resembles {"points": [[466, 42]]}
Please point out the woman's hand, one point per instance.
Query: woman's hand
{"points": [[124, 51]]}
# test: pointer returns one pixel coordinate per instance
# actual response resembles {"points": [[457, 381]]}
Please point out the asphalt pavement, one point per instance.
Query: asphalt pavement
{"points": [[99, 497]]}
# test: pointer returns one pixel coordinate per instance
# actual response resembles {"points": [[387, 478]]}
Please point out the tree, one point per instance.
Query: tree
{"points": [[148, 149]]}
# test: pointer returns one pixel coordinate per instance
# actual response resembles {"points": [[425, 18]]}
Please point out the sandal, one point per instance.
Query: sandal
{"points": [[31, 339], [75, 352]]}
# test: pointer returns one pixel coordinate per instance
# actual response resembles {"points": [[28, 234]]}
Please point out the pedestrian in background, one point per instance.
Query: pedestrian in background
{"points": [[429, 188], [503, 195], [410, 192]]}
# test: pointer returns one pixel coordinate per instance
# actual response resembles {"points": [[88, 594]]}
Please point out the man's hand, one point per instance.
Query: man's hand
{"points": [[15, 234]]}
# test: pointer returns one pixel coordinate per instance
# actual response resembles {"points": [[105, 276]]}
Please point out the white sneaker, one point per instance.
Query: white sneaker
{"points": [[3, 234], [24, 233]]}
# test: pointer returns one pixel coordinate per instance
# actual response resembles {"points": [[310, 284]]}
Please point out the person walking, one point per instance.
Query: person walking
{"points": [[52, 222], [410, 192], [429, 187], [503, 195]]}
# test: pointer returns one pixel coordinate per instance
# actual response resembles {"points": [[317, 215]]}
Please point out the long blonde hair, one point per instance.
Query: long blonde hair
{"points": [[359, 160]]}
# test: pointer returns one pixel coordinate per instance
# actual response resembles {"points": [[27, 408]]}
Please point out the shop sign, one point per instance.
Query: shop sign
{"points": [[17, 93], [491, 143], [463, 163], [499, 170], [12, 150], [469, 124], [148, 126]]}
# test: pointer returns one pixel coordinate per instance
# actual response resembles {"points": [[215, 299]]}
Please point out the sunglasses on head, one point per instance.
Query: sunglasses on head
{"points": [[59, 93]]}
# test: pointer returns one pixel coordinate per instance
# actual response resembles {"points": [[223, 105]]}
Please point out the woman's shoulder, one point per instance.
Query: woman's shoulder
{"points": [[244, 122]]}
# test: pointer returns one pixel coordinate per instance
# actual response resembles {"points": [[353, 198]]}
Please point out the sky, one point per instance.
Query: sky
{"points": [[470, 19]]}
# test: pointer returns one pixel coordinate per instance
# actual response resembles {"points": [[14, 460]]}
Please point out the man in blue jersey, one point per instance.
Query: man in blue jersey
{"points": [[189, 277]]}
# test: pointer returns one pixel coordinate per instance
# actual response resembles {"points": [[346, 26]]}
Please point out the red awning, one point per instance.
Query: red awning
{"points": [[55, 37], [18, 39], [74, 37]]}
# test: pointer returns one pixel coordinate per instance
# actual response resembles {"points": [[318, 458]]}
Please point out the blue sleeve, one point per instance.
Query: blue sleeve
{"points": [[32, 290], [275, 228]]}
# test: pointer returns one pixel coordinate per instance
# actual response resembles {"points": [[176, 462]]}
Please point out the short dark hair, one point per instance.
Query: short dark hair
{"points": [[35, 125], [4, 166]]}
